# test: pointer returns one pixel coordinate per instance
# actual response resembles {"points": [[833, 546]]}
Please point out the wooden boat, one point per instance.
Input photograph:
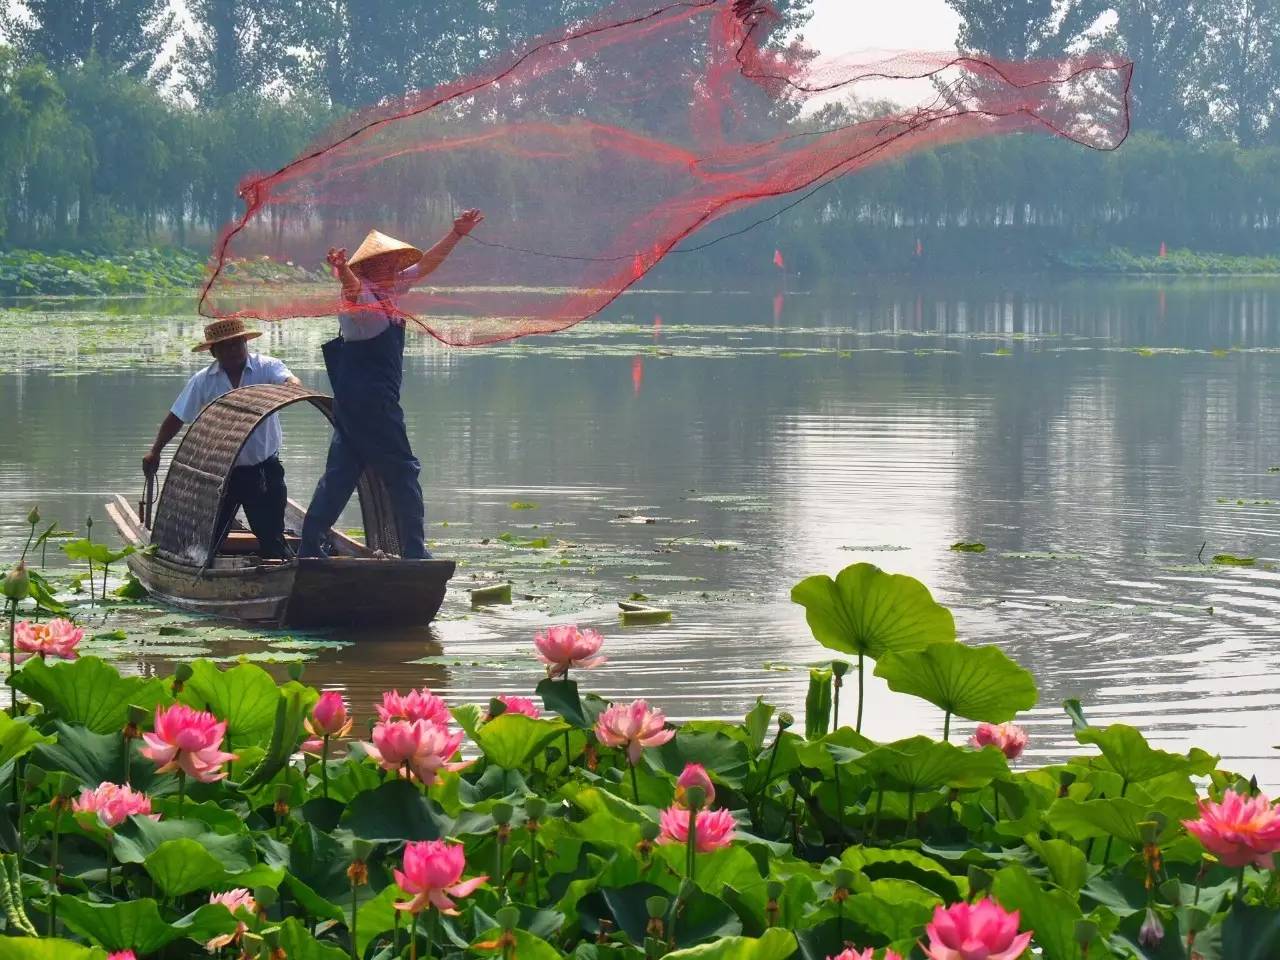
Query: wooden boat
{"points": [[361, 584]]}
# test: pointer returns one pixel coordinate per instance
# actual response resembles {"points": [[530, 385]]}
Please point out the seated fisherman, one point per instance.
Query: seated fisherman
{"points": [[365, 365], [257, 480]]}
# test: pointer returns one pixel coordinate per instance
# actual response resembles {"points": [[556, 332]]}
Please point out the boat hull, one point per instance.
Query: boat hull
{"points": [[340, 591]]}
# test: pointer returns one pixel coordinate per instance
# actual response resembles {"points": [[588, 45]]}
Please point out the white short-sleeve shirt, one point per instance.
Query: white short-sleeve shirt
{"points": [[367, 324], [212, 382]]}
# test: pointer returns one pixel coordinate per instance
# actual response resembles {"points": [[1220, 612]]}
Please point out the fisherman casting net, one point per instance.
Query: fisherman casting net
{"points": [[599, 151]]}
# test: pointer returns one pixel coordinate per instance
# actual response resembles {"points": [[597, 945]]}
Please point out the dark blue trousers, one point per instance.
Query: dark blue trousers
{"points": [[369, 432]]}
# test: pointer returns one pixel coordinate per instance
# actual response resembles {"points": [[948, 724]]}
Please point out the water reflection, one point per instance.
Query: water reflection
{"points": [[1097, 436]]}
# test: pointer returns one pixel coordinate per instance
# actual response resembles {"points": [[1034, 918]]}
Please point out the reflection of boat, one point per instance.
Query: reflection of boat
{"points": [[179, 564]]}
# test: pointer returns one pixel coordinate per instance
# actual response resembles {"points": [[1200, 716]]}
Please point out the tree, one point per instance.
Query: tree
{"points": [[1238, 71], [240, 46], [128, 35], [1023, 29], [1162, 37]]}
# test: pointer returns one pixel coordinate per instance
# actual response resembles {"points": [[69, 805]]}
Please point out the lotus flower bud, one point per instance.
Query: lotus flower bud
{"points": [[843, 878], [34, 516], [535, 807], [839, 668], [17, 585], [785, 720], [1152, 931], [773, 889]]}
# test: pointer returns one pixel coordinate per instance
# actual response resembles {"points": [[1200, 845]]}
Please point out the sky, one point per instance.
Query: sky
{"points": [[847, 26]]}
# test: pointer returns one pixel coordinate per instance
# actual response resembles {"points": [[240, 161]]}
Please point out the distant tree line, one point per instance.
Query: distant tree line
{"points": [[123, 123]]}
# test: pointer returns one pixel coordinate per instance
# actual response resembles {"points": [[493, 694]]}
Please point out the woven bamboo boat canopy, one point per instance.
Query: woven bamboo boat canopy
{"points": [[187, 510]]}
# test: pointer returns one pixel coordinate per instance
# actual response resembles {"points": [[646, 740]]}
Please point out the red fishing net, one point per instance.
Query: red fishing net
{"points": [[599, 151]]}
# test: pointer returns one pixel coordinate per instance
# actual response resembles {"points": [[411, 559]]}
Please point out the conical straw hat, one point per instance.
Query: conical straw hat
{"points": [[380, 245]]}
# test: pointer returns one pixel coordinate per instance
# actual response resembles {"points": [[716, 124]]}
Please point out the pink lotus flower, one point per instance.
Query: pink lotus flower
{"points": [[566, 646], [415, 705], [420, 745], [57, 638], [849, 953], [1240, 830], [715, 828], [187, 740], [238, 901], [977, 931], [122, 955], [433, 873], [634, 727], [329, 716], [521, 705], [694, 775], [1009, 738], [112, 803]]}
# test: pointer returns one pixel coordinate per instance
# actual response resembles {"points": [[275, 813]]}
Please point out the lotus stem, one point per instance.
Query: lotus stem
{"points": [[835, 767], [1106, 851], [532, 827], [911, 812], [995, 795], [324, 766], [413, 938], [53, 865], [858, 725], [30, 536], [635, 784], [182, 791], [13, 691], [875, 820], [355, 913], [567, 762], [1240, 888], [946, 727]]}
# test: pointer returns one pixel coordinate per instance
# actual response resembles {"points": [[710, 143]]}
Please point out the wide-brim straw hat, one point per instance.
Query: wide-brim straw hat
{"points": [[232, 328], [378, 245]]}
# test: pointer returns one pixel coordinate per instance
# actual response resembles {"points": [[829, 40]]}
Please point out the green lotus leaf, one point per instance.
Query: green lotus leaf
{"points": [[894, 913], [843, 745], [292, 706], [775, 944], [28, 948], [980, 683], [1051, 914], [139, 837], [876, 864], [18, 737], [185, 865], [1128, 754], [1067, 865], [87, 691], [919, 763], [1251, 933], [298, 943], [137, 924], [245, 696], [561, 696], [706, 917], [394, 811], [728, 760], [1117, 817], [94, 757], [510, 739], [376, 916], [527, 946], [865, 611]]}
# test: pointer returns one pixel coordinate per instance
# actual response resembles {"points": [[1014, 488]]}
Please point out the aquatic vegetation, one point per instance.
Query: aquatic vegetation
{"points": [[172, 816]]}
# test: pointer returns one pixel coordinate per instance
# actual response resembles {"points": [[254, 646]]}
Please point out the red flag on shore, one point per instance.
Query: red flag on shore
{"points": [[919, 249], [1164, 251], [637, 374], [778, 261]]}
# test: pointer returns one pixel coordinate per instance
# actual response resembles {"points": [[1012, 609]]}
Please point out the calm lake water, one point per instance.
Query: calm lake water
{"points": [[1094, 435]]}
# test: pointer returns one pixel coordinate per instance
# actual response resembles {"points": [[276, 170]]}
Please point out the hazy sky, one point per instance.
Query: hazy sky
{"points": [[841, 25]]}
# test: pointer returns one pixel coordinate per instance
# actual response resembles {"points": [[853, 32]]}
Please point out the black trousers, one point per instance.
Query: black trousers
{"points": [[261, 490]]}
